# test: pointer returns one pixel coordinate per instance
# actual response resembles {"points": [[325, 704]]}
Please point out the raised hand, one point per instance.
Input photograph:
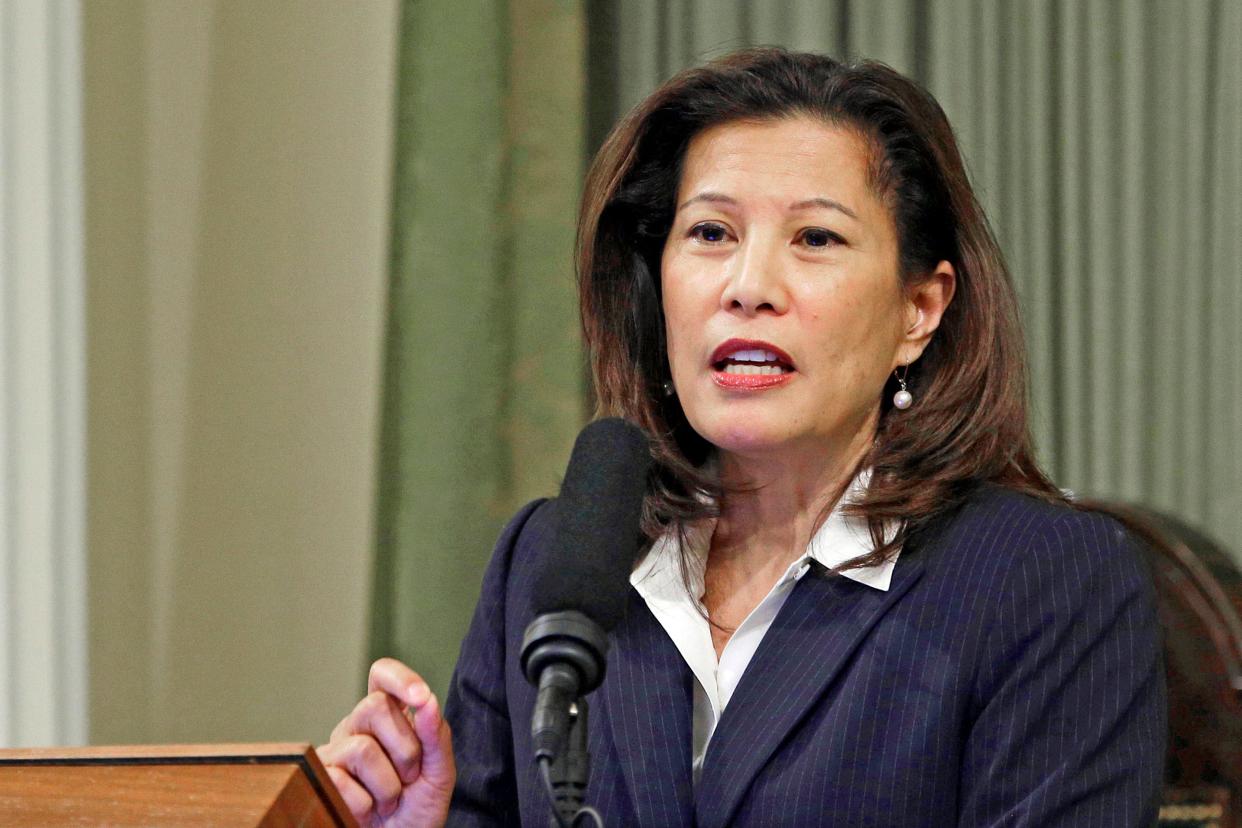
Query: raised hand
{"points": [[392, 756]]}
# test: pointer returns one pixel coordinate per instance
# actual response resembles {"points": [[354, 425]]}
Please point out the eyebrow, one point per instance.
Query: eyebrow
{"points": [[818, 201]]}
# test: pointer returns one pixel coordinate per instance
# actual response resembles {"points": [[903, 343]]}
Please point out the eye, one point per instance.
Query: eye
{"points": [[819, 237], [709, 232]]}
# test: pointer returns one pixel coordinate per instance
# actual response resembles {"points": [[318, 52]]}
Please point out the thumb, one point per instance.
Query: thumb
{"points": [[438, 769]]}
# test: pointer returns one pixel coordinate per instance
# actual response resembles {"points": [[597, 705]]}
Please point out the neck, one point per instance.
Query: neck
{"points": [[784, 497]]}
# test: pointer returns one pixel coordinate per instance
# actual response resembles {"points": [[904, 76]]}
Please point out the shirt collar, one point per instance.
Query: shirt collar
{"points": [[841, 538]]}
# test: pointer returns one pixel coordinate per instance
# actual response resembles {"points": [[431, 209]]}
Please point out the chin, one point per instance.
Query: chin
{"points": [[743, 435]]}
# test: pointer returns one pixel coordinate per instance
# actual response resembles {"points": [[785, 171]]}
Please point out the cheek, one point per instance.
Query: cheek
{"points": [[680, 313], [674, 325], [855, 332]]}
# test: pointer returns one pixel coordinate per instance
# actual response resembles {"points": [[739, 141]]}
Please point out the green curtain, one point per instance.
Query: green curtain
{"points": [[484, 377], [1105, 139]]}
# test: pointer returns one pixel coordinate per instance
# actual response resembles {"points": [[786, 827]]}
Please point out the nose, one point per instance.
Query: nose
{"points": [[756, 282]]}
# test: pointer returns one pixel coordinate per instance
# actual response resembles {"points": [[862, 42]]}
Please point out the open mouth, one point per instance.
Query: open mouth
{"points": [[743, 363], [759, 362]]}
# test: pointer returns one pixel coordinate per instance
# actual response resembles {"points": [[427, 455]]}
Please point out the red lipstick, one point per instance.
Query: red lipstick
{"points": [[723, 357]]}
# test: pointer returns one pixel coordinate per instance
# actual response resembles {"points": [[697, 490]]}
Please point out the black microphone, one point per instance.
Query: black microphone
{"points": [[582, 585]]}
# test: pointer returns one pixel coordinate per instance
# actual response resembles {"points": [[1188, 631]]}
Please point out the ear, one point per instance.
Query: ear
{"points": [[926, 301]]}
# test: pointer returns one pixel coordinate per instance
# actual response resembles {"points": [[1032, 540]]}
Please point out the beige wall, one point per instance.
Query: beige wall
{"points": [[237, 173]]}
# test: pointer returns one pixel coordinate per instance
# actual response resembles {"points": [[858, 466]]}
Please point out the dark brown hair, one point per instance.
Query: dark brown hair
{"points": [[969, 422]]}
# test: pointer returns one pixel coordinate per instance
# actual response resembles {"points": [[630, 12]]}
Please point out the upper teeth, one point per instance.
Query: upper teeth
{"points": [[753, 356]]}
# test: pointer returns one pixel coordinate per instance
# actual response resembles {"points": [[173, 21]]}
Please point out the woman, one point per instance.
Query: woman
{"points": [[863, 603]]}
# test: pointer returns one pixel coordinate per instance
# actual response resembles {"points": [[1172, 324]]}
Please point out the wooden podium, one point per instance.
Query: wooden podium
{"points": [[170, 785]]}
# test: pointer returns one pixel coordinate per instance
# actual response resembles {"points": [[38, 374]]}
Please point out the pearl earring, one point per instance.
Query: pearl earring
{"points": [[903, 398], [669, 390]]}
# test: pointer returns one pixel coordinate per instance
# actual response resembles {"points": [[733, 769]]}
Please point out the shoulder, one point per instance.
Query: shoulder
{"points": [[525, 535], [528, 531], [1002, 546], [997, 522]]}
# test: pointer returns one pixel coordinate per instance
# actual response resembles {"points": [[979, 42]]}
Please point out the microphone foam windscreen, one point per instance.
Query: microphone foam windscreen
{"points": [[597, 520]]}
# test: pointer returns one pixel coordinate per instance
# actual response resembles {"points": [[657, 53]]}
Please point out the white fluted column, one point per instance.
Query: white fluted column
{"points": [[43, 654]]}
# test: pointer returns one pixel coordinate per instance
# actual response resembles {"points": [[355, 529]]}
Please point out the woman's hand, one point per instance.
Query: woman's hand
{"points": [[393, 766]]}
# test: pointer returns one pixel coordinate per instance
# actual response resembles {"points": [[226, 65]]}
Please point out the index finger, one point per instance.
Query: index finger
{"points": [[398, 681]]}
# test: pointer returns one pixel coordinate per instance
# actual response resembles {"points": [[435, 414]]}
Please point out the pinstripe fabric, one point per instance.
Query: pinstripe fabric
{"points": [[1011, 676], [649, 696], [810, 641]]}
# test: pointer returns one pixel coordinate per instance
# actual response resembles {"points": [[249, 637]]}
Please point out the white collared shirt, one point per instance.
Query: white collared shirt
{"points": [[658, 579]]}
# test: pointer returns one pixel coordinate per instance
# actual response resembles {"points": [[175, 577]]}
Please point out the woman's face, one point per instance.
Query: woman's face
{"points": [[784, 309]]}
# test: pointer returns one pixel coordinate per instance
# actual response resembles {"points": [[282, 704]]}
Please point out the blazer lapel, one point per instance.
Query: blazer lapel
{"points": [[822, 622], [647, 694]]}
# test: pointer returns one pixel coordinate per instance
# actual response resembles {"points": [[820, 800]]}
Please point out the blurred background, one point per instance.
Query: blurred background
{"points": [[288, 324]]}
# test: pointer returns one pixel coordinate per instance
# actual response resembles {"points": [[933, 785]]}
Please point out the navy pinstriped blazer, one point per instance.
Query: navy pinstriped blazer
{"points": [[1010, 676]]}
